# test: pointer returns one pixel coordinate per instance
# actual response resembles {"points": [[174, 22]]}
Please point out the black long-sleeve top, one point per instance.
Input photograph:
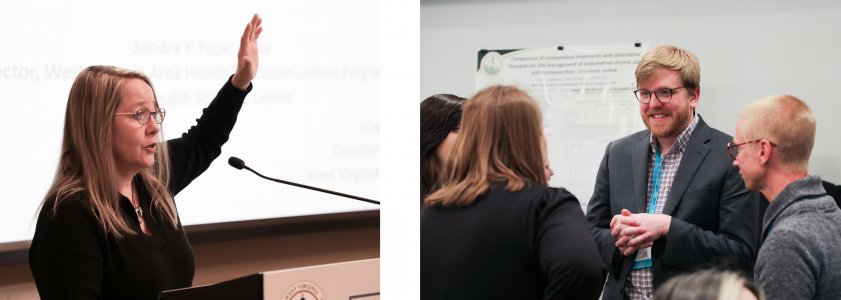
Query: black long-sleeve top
{"points": [[71, 257], [529, 244]]}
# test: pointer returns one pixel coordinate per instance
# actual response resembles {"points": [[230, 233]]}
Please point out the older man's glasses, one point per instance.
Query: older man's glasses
{"points": [[733, 148], [662, 94], [144, 115]]}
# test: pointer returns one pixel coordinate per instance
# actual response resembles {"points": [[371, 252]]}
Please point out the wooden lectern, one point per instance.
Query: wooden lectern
{"points": [[353, 280]]}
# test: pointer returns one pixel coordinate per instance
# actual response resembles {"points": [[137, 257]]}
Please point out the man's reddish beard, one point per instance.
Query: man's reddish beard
{"points": [[680, 119]]}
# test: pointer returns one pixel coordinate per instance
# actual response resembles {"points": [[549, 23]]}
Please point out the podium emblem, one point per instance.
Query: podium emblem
{"points": [[303, 290]]}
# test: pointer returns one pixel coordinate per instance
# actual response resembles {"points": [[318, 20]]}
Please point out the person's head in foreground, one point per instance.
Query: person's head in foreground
{"points": [[709, 285]]}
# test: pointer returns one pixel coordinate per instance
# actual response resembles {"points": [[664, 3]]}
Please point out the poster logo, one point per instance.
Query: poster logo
{"points": [[491, 63]]}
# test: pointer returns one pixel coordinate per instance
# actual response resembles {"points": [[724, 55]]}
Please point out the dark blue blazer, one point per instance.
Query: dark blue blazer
{"points": [[714, 218]]}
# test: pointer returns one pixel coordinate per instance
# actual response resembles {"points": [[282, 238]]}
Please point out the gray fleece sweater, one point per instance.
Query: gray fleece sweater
{"points": [[800, 256]]}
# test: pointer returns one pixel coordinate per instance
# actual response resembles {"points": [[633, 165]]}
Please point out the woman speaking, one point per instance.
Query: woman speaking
{"points": [[108, 226]]}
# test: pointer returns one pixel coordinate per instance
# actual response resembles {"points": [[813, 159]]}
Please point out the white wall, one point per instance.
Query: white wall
{"points": [[747, 49]]}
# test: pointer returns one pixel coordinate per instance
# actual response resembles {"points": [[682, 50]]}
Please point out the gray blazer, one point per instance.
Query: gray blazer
{"points": [[714, 218]]}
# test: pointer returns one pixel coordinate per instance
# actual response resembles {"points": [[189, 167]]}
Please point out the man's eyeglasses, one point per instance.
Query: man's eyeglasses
{"points": [[144, 115], [662, 94], [733, 149]]}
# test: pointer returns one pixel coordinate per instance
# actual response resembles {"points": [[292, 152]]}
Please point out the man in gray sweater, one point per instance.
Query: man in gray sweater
{"points": [[801, 236]]}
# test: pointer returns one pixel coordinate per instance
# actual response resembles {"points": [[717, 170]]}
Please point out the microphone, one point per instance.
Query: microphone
{"points": [[239, 165], [236, 162]]}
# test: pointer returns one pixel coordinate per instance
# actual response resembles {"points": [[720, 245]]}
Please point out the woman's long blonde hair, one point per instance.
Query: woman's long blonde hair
{"points": [[499, 140], [86, 165]]}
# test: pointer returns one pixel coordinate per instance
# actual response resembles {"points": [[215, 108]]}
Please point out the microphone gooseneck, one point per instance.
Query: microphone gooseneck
{"points": [[239, 164]]}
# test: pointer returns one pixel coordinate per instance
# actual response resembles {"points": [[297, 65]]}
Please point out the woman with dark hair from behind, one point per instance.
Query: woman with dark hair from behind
{"points": [[440, 119], [709, 284], [495, 230]]}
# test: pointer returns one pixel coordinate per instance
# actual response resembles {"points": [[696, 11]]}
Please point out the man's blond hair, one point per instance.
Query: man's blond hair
{"points": [[672, 58]]}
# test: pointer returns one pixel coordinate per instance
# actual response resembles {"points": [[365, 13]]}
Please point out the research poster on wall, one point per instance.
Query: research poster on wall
{"points": [[586, 94]]}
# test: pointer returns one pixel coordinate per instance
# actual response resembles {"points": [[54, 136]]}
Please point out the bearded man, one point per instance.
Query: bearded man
{"points": [[667, 199]]}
